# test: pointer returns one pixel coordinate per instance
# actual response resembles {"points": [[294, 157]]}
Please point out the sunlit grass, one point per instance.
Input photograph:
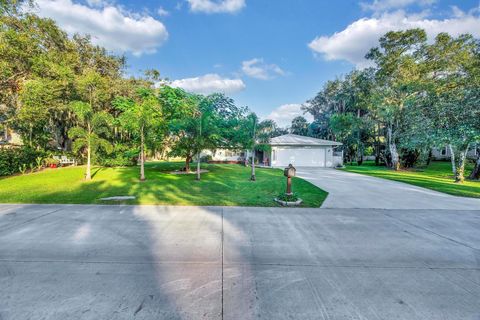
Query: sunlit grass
{"points": [[437, 176], [226, 185]]}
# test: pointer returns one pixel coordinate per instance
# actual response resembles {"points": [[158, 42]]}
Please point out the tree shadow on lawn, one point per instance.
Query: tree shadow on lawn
{"points": [[224, 186]]}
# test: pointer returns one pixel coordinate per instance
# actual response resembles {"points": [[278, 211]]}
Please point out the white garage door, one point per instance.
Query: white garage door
{"points": [[300, 157]]}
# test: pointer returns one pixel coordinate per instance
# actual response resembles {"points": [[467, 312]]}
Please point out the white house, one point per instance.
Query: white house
{"points": [[444, 153], [303, 151]]}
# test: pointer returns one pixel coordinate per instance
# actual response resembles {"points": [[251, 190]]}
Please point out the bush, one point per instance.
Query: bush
{"points": [[120, 157], [206, 158], [13, 160], [369, 151], [288, 197]]}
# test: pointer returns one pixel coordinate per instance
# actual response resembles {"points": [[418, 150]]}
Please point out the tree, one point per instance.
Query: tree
{"points": [[32, 48], [475, 174], [142, 117], [218, 123], [453, 90], [87, 135], [254, 123], [33, 116], [397, 62], [13, 7], [246, 137], [337, 104], [92, 89], [299, 126], [344, 127], [181, 113]]}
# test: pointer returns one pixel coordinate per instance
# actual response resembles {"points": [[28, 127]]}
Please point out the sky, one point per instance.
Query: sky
{"points": [[269, 55]]}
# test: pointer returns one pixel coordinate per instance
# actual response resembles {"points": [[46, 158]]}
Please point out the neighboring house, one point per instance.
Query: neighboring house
{"points": [[444, 153], [303, 151], [226, 155]]}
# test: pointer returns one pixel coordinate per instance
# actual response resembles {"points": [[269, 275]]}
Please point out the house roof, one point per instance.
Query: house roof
{"points": [[296, 140]]}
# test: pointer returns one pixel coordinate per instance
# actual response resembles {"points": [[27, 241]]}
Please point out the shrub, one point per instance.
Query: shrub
{"points": [[288, 197], [120, 157], [206, 158], [13, 160]]}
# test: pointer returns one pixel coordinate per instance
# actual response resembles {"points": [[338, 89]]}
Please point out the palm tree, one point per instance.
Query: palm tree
{"points": [[141, 116], [86, 135]]}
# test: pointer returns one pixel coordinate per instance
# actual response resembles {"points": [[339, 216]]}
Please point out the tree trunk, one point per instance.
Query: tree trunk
{"points": [[475, 174], [377, 146], [187, 163], [253, 177], [6, 132], [460, 166], [198, 166], [30, 143], [142, 155], [429, 157], [452, 159], [88, 174], [392, 147], [359, 142]]}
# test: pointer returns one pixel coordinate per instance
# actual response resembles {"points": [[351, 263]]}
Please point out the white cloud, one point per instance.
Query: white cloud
{"points": [[384, 5], [96, 3], [284, 114], [256, 68], [209, 83], [352, 43], [216, 6], [162, 12], [110, 26]]}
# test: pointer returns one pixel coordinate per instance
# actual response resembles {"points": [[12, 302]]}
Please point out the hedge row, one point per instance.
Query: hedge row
{"points": [[12, 160]]}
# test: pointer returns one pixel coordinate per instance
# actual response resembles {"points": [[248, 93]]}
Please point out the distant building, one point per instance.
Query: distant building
{"points": [[444, 153], [302, 151]]}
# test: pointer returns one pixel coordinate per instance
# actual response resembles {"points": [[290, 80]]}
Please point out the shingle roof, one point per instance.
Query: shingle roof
{"points": [[293, 139]]}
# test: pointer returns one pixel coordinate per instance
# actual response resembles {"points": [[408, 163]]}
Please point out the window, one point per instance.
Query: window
{"points": [[274, 155]]}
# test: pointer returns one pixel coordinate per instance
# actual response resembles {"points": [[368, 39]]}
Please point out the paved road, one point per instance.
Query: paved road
{"points": [[148, 262], [352, 190]]}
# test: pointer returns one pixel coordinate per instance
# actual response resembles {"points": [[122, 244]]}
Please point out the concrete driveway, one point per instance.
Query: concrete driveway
{"points": [[148, 262], [352, 190]]}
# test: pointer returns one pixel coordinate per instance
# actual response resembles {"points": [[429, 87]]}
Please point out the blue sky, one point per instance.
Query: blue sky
{"points": [[269, 55]]}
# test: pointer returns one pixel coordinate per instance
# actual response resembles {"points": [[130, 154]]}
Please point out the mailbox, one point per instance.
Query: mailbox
{"points": [[289, 171]]}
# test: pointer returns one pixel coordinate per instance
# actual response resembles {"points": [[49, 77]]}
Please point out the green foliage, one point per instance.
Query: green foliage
{"points": [[299, 126], [288, 197], [121, 156], [13, 160], [39, 162], [416, 97], [22, 168]]}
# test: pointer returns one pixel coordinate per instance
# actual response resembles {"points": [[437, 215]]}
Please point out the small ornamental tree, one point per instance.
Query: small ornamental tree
{"points": [[181, 113], [87, 135], [142, 116]]}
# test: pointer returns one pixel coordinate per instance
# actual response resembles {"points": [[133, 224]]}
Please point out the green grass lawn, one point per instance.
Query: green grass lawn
{"points": [[437, 176], [223, 185]]}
